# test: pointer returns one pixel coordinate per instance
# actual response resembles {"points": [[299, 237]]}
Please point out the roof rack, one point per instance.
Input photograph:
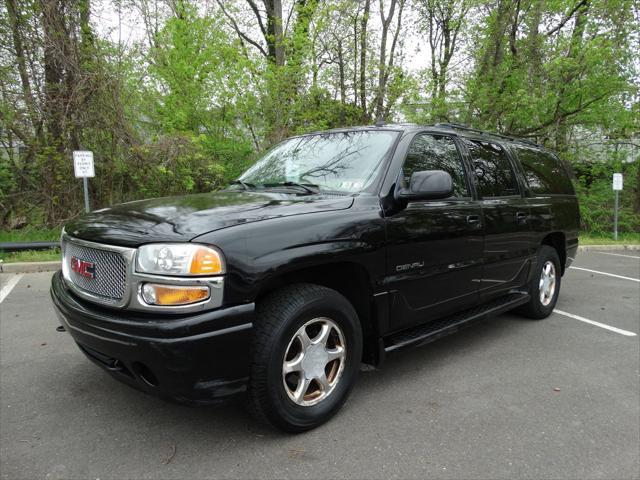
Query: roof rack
{"points": [[459, 126]]}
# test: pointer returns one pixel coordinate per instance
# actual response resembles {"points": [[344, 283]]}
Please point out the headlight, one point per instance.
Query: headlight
{"points": [[182, 259]]}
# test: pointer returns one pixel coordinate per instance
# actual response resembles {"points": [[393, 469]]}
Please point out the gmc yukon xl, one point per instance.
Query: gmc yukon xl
{"points": [[332, 250]]}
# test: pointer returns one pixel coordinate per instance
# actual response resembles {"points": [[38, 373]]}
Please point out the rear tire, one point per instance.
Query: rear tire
{"points": [[544, 286], [306, 355]]}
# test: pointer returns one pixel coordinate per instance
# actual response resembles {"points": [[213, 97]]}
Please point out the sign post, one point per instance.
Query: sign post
{"points": [[617, 186], [83, 168]]}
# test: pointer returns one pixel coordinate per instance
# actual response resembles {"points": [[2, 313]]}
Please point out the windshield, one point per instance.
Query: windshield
{"points": [[344, 162]]}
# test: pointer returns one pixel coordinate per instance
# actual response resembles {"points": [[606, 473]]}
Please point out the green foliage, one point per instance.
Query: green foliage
{"points": [[199, 144], [539, 83], [318, 111], [31, 234], [623, 239], [31, 256], [190, 107], [196, 68], [594, 186], [181, 163]]}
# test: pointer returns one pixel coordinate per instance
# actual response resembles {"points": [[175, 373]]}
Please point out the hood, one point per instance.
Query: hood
{"points": [[180, 219]]}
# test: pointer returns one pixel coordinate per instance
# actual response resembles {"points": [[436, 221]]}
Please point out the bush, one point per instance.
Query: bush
{"points": [[594, 187]]}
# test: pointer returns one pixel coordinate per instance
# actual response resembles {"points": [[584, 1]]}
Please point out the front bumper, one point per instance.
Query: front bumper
{"points": [[198, 358]]}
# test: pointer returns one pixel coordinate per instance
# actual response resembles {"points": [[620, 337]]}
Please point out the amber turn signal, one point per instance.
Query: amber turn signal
{"points": [[206, 261], [167, 295]]}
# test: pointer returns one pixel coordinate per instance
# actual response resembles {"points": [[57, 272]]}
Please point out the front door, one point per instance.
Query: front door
{"points": [[434, 246], [505, 212]]}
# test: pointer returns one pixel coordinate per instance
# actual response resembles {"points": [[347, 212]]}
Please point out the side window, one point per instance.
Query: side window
{"points": [[436, 152], [493, 170], [543, 172]]}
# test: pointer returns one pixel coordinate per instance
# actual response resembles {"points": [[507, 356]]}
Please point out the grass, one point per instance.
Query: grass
{"points": [[30, 256], [30, 235], [607, 239]]}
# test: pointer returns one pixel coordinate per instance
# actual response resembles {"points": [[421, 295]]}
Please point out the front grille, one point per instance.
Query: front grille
{"points": [[110, 280]]}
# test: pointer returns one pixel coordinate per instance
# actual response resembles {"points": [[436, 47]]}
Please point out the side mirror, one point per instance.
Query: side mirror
{"points": [[427, 185]]}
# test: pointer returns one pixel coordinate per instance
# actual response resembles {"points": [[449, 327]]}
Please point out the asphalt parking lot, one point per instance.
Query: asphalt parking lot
{"points": [[509, 398]]}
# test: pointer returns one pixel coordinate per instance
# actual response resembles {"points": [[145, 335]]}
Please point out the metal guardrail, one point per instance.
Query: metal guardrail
{"points": [[20, 246]]}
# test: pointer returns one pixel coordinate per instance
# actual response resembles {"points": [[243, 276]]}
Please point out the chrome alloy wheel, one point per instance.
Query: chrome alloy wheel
{"points": [[547, 283], [314, 361]]}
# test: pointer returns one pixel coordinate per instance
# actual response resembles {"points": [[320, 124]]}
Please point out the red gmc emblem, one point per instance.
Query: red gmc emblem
{"points": [[84, 268]]}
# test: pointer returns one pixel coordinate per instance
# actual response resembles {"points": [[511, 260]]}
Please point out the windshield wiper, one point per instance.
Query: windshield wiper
{"points": [[308, 187], [244, 185]]}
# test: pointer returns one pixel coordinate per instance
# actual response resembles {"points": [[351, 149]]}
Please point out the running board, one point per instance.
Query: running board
{"points": [[444, 326]]}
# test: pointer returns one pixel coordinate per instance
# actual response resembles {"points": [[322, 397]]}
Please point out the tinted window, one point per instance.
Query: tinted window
{"points": [[544, 173], [493, 170], [436, 152]]}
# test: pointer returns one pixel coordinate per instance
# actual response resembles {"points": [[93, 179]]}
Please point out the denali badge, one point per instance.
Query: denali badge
{"points": [[84, 268], [409, 266]]}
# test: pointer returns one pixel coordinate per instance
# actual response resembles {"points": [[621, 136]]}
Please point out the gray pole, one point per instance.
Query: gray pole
{"points": [[615, 218], [85, 182]]}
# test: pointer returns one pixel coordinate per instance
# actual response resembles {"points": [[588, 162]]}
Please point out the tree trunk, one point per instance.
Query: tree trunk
{"points": [[299, 46], [54, 51], [15, 22], [343, 87], [363, 61], [534, 46], [574, 49], [355, 61], [384, 68], [274, 33]]}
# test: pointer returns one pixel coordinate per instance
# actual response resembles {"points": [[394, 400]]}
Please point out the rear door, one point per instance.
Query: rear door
{"points": [[505, 211], [434, 246], [551, 196]]}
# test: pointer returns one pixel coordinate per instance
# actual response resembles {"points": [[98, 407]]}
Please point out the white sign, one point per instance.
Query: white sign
{"points": [[83, 164], [617, 181]]}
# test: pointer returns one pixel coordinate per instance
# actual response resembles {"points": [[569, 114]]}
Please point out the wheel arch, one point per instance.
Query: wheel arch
{"points": [[558, 241], [350, 279]]}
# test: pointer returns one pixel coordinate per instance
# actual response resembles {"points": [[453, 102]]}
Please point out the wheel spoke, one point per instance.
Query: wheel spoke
{"points": [[323, 381], [335, 353], [294, 365], [304, 339], [323, 335], [301, 389]]}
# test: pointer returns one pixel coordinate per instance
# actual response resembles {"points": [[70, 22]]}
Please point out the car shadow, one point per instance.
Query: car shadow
{"points": [[128, 408]]}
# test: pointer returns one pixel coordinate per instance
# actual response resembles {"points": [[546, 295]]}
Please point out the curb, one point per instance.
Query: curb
{"points": [[30, 267], [586, 248]]}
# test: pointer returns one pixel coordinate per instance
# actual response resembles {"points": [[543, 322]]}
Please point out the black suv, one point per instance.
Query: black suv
{"points": [[334, 249]]}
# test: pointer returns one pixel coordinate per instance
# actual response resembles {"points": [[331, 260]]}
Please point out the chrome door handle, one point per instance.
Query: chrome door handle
{"points": [[521, 217]]}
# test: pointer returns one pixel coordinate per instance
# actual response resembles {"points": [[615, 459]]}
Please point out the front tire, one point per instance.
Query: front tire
{"points": [[306, 355], [544, 287]]}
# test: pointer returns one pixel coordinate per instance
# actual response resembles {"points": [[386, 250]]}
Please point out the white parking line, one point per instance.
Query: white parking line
{"points": [[619, 255], [626, 333], [6, 290], [605, 273]]}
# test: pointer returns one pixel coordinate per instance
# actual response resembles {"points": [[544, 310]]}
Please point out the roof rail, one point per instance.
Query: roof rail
{"points": [[459, 126]]}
